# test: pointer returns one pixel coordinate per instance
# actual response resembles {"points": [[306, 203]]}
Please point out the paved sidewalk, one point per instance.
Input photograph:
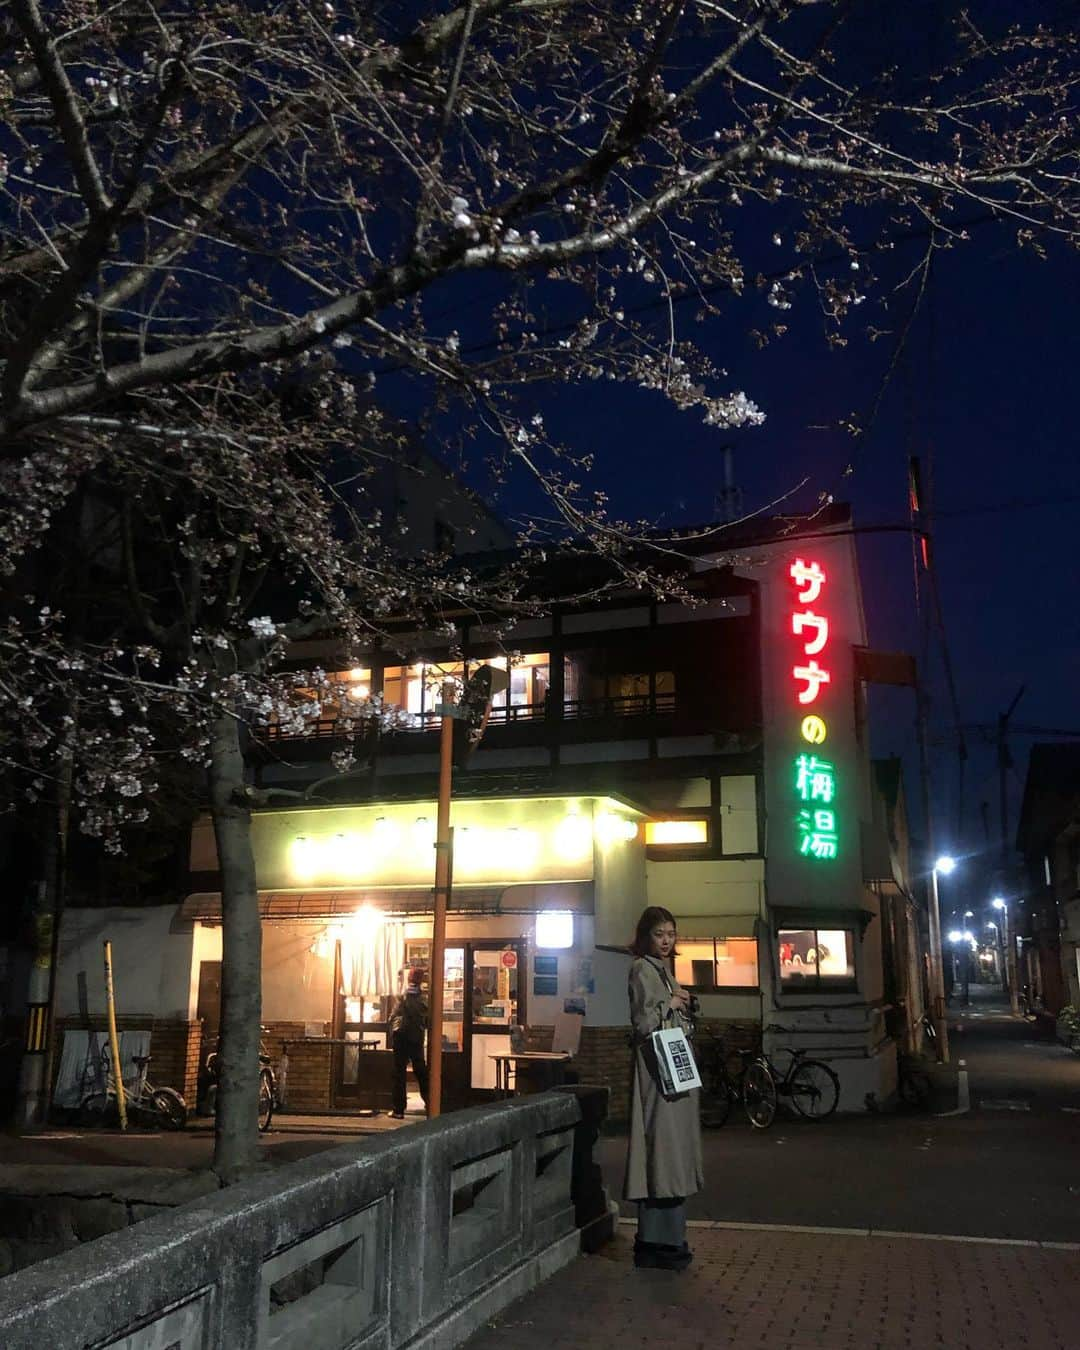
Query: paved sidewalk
{"points": [[788, 1290]]}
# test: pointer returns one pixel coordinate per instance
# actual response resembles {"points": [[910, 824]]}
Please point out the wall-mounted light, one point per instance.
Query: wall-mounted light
{"points": [[304, 858], [573, 839], [554, 931], [612, 828]]}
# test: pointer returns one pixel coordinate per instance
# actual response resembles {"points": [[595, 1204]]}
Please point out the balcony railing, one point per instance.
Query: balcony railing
{"points": [[577, 709]]}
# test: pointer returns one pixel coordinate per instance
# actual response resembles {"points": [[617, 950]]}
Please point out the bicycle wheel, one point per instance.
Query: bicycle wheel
{"points": [[759, 1095], [94, 1110], [716, 1103], [266, 1102], [169, 1108], [815, 1089]]}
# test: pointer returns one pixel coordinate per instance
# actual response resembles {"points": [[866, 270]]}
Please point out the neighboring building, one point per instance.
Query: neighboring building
{"points": [[1048, 837], [888, 871], [710, 757]]}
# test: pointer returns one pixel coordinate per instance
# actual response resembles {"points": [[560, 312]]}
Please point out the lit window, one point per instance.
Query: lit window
{"points": [[554, 931], [677, 832], [816, 958], [717, 963], [357, 682]]}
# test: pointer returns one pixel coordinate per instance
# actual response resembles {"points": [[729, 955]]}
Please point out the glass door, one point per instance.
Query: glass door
{"points": [[496, 986]]}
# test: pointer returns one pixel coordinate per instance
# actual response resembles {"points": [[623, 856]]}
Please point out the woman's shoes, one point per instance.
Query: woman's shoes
{"points": [[659, 1256]]}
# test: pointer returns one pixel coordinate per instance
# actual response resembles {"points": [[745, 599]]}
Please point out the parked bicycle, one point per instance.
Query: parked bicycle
{"points": [[752, 1085], [269, 1101], [809, 1084], [146, 1103]]}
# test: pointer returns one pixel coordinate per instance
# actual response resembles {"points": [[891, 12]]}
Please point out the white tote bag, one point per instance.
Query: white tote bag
{"points": [[675, 1062]]}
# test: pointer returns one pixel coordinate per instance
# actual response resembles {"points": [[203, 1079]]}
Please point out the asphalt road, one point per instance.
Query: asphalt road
{"points": [[1008, 1167]]}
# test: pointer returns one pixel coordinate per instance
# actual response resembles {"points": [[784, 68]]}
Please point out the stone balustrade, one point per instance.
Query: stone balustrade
{"points": [[410, 1239]]}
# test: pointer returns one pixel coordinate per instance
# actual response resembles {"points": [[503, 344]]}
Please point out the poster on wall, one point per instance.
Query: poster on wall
{"points": [[545, 985], [545, 965], [583, 977]]}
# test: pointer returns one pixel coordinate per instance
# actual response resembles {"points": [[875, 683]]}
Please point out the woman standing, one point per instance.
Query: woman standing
{"points": [[663, 1162]]}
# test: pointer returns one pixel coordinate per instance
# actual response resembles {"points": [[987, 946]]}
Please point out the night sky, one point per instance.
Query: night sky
{"points": [[986, 396]]}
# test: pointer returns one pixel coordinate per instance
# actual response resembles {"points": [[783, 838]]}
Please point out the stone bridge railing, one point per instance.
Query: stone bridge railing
{"points": [[410, 1239]]}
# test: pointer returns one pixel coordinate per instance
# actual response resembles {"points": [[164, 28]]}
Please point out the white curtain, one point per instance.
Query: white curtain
{"points": [[372, 958]]}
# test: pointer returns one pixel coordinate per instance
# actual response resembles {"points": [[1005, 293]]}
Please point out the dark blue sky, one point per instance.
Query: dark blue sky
{"points": [[986, 394]]}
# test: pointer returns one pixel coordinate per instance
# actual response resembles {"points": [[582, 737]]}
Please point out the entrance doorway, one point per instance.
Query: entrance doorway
{"points": [[495, 977], [483, 997]]}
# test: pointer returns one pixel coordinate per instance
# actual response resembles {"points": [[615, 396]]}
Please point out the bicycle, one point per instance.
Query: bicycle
{"points": [[144, 1101], [809, 1084], [268, 1088], [753, 1086]]}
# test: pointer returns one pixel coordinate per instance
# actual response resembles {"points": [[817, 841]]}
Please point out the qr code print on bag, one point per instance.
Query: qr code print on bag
{"points": [[681, 1061]]}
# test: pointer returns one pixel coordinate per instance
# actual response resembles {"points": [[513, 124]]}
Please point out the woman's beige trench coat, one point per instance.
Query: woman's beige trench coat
{"points": [[664, 1158]]}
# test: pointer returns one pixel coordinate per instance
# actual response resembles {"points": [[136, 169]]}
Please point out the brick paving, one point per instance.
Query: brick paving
{"points": [[805, 1291]]}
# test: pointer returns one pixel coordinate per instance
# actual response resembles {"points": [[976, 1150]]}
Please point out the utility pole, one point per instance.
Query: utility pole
{"points": [[1004, 765], [443, 847], [937, 973]]}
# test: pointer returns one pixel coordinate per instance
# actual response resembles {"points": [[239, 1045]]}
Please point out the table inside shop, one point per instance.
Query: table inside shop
{"points": [[504, 1063]]}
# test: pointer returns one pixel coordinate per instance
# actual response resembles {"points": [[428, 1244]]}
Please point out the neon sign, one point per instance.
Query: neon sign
{"points": [[814, 778]]}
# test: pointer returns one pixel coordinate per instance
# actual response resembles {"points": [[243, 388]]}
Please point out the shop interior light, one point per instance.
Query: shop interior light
{"points": [[554, 931], [677, 832]]}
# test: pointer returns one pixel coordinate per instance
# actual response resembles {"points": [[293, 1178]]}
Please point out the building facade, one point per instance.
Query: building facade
{"points": [[1048, 839], [710, 756]]}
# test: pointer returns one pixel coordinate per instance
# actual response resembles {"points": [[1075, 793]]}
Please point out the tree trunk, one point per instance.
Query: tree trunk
{"points": [[236, 1128]]}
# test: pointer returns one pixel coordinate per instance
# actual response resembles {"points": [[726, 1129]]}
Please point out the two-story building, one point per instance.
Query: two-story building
{"points": [[710, 757]]}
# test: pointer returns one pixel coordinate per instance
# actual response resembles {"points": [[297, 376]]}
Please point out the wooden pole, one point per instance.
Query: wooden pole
{"points": [[437, 979], [114, 1039]]}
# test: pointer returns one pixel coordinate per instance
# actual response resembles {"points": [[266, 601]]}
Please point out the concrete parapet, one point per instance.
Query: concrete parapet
{"points": [[409, 1240]]}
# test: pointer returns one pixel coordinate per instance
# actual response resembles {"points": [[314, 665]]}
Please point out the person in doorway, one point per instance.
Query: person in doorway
{"points": [[663, 1160], [408, 1023]]}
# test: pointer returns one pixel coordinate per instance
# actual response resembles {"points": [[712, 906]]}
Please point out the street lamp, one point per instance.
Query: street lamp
{"points": [[1008, 944], [945, 865]]}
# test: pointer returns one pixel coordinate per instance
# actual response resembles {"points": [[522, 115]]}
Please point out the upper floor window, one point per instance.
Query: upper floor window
{"points": [[598, 682], [417, 689]]}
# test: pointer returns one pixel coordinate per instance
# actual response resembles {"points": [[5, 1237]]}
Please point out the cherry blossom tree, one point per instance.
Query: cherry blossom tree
{"points": [[227, 230]]}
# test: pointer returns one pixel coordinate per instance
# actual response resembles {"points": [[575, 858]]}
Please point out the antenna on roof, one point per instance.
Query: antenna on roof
{"points": [[729, 498]]}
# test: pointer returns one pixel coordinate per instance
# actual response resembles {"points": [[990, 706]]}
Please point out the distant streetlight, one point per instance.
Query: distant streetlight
{"points": [[998, 903], [969, 913], [992, 925], [956, 936], [945, 865]]}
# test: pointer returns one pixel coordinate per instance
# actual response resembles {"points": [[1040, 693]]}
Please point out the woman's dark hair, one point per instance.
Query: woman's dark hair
{"points": [[655, 914]]}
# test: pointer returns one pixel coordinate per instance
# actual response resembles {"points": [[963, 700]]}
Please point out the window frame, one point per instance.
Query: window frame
{"points": [[725, 988], [813, 984]]}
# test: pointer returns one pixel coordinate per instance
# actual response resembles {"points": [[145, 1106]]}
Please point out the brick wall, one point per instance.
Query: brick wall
{"points": [[305, 1079]]}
